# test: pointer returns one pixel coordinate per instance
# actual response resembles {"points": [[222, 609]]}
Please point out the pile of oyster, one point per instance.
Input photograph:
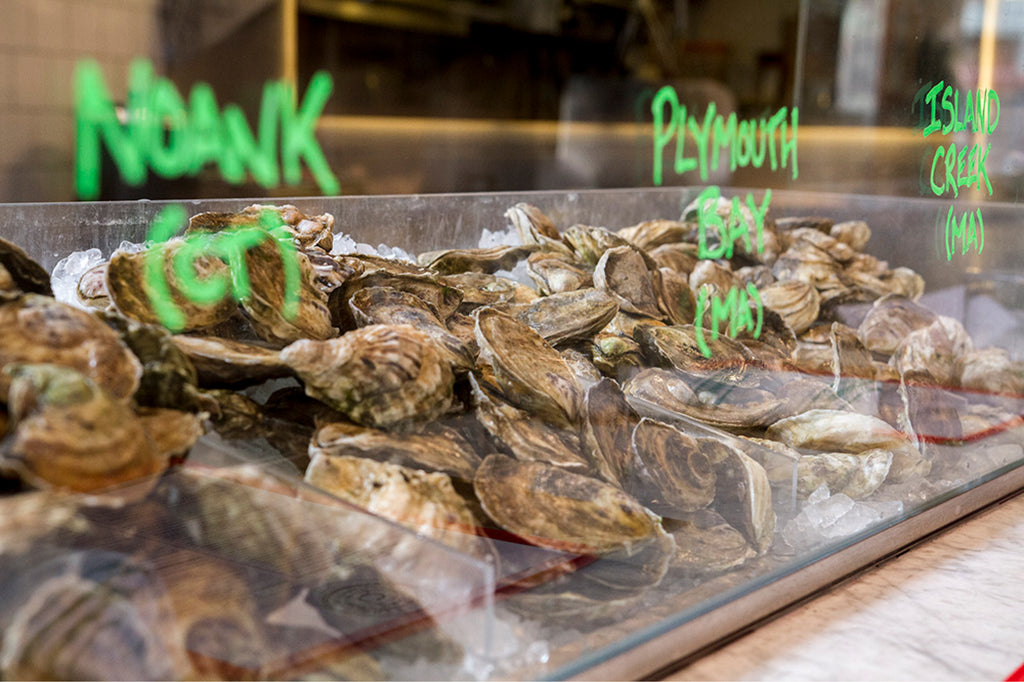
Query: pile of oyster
{"points": [[582, 414]]}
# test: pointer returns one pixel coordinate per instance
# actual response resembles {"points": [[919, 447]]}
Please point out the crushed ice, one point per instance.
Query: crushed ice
{"points": [[65, 276], [345, 244], [825, 517]]}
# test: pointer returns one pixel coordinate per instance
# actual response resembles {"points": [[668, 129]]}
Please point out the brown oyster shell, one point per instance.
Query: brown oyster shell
{"points": [[554, 274], [224, 362], [631, 277], [706, 543], [385, 376], [558, 509], [437, 448], [68, 433], [130, 290], [488, 260], [424, 502], [530, 372], [672, 473], [567, 316], [608, 426], [521, 434], [743, 496], [890, 319], [36, 328], [798, 302], [19, 272], [590, 243], [388, 305]]}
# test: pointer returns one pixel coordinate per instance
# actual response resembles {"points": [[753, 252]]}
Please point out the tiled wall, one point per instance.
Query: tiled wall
{"points": [[40, 42]]}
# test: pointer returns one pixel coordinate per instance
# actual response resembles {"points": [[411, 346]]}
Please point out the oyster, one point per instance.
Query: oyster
{"points": [[798, 302], [631, 278], [681, 258], [891, 319], [991, 370], [490, 260], [92, 615], [567, 316], [19, 272], [590, 243], [710, 272], [854, 475], [387, 305], [654, 233], [68, 433], [934, 349], [676, 298], [536, 228], [582, 367], [554, 508], [424, 502], [520, 433], [854, 233], [608, 426], [129, 284], [743, 496], [442, 299], [678, 346], [672, 473], [224, 362], [479, 289], [438, 448], [36, 328], [554, 274], [837, 431], [616, 356], [706, 543], [385, 376], [530, 372]]}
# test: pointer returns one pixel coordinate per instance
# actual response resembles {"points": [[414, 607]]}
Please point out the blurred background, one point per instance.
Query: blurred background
{"points": [[489, 95]]}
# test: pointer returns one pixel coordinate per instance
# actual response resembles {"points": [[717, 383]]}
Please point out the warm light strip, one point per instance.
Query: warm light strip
{"points": [[422, 125]]}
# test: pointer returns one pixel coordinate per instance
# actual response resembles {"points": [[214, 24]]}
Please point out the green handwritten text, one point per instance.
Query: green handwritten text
{"points": [[748, 142], [229, 245], [735, 309], [176, 138]]}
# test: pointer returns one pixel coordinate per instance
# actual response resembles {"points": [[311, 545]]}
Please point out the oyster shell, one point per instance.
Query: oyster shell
{"points": [[489, 260], [678, 346], [19, 272], [480, 289], [837, 431], [854, 233], [92, 615], [385, 376], [590, 243], [654, 233], [554, 274], [631, 278], [520, 433], [991, 370], [536, 228], [854, 475], [424, 502], [706, 543], [676, 298], [68, 433], [710, 272], [608, 426], [616, 356], [680, 258], [673, 474], [567, 316], [743, 496], [935, 350], [131, 291], [582, 367], [891, 319], [36, 328], [442, 299], [224, 362], [554, 508], [798, 302], [438, 448], [387, 305], [530, 372]]}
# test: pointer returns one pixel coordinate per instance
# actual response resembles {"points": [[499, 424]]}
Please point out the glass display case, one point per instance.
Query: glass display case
{"points": [[506, 600], [490, 339]]}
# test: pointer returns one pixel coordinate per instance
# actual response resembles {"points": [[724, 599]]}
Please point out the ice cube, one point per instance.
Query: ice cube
{"points": [[65, 276]]}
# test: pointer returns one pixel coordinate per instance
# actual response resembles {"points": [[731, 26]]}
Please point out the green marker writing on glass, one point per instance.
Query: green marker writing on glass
{"points": [[176, 138], [229, 245]]}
